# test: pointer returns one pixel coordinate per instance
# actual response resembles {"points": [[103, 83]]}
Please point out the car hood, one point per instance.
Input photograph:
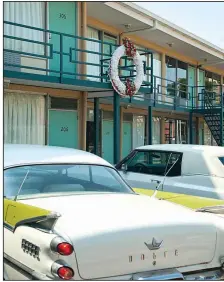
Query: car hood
{"points": [[113, 234]]}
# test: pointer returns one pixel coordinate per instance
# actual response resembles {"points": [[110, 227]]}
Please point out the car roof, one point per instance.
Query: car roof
{"points": [[15, 155], [200, 149]]}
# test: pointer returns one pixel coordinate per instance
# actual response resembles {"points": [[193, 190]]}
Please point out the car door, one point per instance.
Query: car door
{"points": [[144, 169]]}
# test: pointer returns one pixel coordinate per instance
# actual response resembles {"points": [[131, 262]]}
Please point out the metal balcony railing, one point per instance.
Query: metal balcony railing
{"points": [[45, 52], [41, 54]]}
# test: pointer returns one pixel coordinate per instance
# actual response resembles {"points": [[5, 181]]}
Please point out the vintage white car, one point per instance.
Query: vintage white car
{"points": [[189, 169], [69, 215]]}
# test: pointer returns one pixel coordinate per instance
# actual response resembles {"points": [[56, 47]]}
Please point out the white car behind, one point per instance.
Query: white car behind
{"points": [[195, 170]]}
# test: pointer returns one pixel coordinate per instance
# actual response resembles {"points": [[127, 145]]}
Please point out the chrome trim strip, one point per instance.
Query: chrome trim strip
{"points": [[33, 273], [54, 243], [56, 265], [167, 274], [174, 274], [206, 275]]}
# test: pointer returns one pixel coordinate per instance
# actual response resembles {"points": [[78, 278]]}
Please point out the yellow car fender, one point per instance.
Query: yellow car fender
{"points": [[189, 201], [16, 213]]}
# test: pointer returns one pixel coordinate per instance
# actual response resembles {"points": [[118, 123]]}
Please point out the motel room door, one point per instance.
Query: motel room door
{"points": [[62, 18], [63, 123], [127, 138], [108, 136]]}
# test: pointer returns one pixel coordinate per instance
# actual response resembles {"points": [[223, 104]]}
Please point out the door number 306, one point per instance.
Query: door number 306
{"points": [[64, 129]]}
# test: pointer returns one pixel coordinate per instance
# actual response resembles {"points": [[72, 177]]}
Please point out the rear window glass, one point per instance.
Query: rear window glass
{"points": [[62, 178]]}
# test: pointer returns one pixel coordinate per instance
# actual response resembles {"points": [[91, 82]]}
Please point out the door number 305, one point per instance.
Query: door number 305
{"points": [[64, 129]]}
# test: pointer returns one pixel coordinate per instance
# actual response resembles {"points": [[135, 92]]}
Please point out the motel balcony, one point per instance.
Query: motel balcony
{"points": [[42, 57]]}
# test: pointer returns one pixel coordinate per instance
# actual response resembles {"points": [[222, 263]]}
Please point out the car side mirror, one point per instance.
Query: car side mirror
{"points": [[124, 167]]}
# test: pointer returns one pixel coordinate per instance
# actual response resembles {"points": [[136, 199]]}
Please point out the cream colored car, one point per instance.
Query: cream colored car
{"points": [[68, 215]]}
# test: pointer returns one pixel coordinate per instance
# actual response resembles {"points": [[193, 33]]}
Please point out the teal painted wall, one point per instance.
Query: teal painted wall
{"points": [[62, 18], [127, 138], [108, 140], [63, 128]]}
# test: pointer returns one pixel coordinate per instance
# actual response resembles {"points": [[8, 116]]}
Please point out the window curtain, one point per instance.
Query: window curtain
{"points": [[24, 118], [156, 130], [108, 49], [157, 71], [138, 131], [145, 58], [27, 13], [93, 58]]}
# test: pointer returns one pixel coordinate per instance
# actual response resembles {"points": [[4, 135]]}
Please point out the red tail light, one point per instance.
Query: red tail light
{"points": [[65, 272], [60, 246], [65, 249]]}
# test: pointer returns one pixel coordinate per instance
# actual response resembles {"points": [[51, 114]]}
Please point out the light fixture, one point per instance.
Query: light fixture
{"points": [[127, 25], [170, 44]]}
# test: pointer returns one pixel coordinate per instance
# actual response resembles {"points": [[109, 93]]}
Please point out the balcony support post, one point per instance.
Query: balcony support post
{"points": [[191, 127], [116, 113], [96, 125], [150, 125], [82, 69]]}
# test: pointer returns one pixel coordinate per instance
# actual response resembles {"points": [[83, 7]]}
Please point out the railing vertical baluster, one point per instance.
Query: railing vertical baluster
{"points": [[192, 97], [101, 59], [61, 57], [151, 72], [154, 88], [175, 95]]}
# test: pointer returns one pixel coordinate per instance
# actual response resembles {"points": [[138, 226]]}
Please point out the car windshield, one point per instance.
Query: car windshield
{"points": [[221, 160], [51, 179]]}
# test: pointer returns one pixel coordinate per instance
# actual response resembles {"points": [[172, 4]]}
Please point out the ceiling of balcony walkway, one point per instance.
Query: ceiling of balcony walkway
{"points": [[119, 14]]}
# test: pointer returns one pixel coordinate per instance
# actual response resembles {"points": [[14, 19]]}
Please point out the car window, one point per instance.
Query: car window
{"points": [[79, 172], [221, 160], [102, 176], [47, 179], [156, 163]]}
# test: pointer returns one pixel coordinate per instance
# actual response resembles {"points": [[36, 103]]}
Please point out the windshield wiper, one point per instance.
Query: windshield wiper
{"points": [[212, 209]]}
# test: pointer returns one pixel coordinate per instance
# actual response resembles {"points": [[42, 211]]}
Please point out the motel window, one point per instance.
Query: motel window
{"points": [[24, 118], [171, 75], [176, 131], [26, 13], [176, 72], [213, 86], [182, 78], [156, 130], [108, 48], [93, 71], [157, 70], [138, 130]]}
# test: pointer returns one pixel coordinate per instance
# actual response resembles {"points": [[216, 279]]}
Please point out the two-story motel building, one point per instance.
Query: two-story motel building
{"points": [[57, 90]]}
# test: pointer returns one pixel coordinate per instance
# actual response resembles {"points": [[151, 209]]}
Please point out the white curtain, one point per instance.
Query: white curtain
{"points": [[24, 118], [138, 131], [144, 58], [93, 58], [157, 71], [27, 13], [156, 130]]}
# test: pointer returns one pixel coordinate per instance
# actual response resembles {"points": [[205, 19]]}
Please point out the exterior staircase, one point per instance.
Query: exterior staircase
{"points": [[213, 115]]}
